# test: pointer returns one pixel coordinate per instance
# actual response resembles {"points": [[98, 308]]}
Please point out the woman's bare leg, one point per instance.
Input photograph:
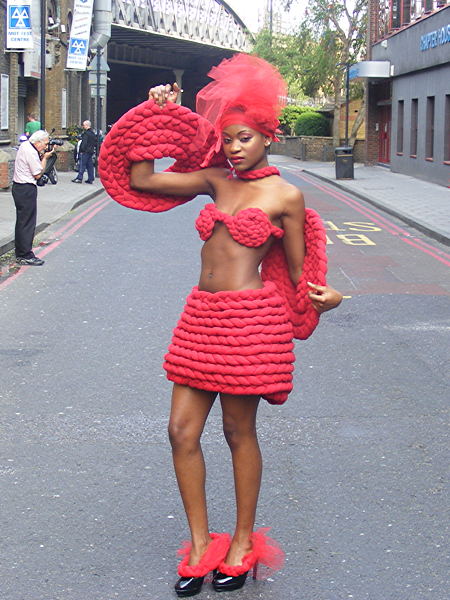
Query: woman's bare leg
{"points": [[239, 424], [189, 411]]}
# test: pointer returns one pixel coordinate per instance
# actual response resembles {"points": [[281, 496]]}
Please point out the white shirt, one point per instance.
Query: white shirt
{"points": [[27, 164]]}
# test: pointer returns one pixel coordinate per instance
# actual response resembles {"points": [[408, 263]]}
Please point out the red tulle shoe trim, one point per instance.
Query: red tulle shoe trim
{"points": [[265, 551], [257, 173], [216, 552]]}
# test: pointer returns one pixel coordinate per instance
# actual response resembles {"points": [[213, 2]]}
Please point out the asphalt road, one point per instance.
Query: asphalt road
{"points": [[355, 485]]}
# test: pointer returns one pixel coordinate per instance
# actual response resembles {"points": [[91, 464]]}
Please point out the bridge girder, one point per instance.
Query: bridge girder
{"points": [[201, 22]]}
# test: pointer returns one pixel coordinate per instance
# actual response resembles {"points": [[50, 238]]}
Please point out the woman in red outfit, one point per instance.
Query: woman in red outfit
{"points": [[230, 272]]}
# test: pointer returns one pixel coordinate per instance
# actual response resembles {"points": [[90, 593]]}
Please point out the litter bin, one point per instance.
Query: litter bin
{"points": [[344, 162]]}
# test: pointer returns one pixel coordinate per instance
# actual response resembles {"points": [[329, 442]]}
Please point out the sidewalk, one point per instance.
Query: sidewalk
{"points": [[423, 205], [54, 201]]}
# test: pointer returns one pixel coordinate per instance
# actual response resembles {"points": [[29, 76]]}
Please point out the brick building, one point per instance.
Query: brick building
{"points": [[67, 96], [408, 112]]}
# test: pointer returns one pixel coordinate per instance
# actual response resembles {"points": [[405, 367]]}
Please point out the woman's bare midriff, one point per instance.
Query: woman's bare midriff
{"points": [[228, 265]]}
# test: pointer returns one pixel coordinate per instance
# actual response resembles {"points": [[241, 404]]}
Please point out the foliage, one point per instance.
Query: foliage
{"points": [[73, 132], [281, 50], [289, 117], [313, 60], [312, 123]]}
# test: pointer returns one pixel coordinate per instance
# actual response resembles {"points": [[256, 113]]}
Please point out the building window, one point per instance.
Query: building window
{"points": [[4, 101], [406, 11], [400, 113], [447, 129], [395, 14], [429, 136], [63, 108], [414, 115], [391, 15]]}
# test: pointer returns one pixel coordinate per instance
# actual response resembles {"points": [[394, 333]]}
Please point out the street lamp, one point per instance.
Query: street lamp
{"points": [[347, 66], [98, 42], [347, 98]]}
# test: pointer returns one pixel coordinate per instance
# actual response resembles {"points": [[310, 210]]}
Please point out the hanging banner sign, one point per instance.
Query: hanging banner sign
{"points": [[79, 35], [18, 24]]}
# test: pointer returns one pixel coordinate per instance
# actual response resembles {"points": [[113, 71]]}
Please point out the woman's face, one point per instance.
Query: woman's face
{"points": [[245, 147]]}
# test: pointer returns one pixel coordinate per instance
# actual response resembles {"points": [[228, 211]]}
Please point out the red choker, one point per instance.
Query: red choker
{"points": [[257, 173]]}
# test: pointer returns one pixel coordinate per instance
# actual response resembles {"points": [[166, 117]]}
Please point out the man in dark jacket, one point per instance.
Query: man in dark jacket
{"points": [[86, 151]]}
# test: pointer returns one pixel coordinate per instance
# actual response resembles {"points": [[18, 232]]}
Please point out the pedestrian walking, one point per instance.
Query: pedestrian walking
{"points": [[86, 152], [30, 163], [235, 336], [32, 125]]}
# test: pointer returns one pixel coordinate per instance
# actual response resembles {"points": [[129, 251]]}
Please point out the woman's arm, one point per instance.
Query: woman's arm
{"points": [[293, 223], [323, 297], [144, 178]]}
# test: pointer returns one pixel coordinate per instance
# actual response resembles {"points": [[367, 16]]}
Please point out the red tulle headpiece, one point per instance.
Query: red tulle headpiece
{"points": [[246, 90]]}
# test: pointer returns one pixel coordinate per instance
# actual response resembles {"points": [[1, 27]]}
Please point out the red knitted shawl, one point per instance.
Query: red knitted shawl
{"points": [[148, 132]]}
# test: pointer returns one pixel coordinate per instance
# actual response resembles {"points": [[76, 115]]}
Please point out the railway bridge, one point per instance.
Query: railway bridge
{"points": [[159, 41]]}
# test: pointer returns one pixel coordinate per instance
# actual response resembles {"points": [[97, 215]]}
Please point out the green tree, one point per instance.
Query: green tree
{"points": [[338, 27], [282, 50], [331, 35]]}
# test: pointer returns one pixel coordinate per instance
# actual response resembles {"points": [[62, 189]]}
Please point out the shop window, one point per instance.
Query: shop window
{"points": [[447, 129], [395, 10], [429, 136], [400, 114], [406, 12], [414, 116]]}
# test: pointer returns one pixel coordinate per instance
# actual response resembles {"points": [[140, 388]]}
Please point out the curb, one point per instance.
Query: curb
{"points": [[439, 236], [6, 246]]}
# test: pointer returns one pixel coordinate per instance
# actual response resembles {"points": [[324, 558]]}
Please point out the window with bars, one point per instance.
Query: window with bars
{"points": [[394, 14]]}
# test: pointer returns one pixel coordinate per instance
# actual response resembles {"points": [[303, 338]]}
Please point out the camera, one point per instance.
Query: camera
{"points": [[53, 142]]}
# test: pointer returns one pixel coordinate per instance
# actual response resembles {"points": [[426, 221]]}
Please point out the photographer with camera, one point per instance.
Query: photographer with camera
{"points": [[86, 152], [50, 173], [29, 166]]}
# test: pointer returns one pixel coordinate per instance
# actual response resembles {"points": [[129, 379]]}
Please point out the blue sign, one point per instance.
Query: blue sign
{"points": [[19, 17], [19, 33], [78, 47], [435, 38]]}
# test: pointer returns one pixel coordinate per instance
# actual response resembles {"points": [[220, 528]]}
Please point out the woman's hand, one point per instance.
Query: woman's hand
{"points": [[324, 297], [164, 93]]}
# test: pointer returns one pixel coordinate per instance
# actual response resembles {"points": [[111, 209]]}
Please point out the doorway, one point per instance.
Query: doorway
{"points": [[384, 134]]}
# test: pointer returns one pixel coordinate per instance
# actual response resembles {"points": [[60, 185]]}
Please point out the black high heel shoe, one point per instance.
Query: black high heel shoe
{"points": [[227, 583], [188, 586], [264, 550], [192, 576]]}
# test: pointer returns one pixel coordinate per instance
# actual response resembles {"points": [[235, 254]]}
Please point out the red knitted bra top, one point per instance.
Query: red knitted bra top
{"points": [[250, 226]]}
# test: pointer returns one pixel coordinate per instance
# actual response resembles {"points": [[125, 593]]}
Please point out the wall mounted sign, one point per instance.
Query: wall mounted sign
{"points": [[436, 38], [79, 35], [18, 24], [370, 68]]}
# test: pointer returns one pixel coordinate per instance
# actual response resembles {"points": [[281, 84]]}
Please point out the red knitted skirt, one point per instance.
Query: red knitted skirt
{"points": [[235, 342]]}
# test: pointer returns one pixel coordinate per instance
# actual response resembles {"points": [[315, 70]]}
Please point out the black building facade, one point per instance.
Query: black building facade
{"points": [[409, 113]]}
